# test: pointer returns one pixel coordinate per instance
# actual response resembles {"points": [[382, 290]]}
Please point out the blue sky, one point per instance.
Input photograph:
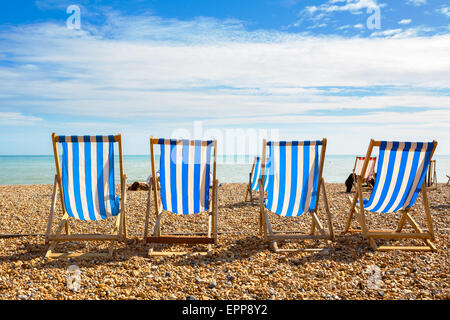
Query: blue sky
{"points": [[305, 69]]}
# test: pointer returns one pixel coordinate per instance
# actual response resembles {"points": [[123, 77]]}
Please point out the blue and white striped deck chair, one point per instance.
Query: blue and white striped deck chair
{"points": [[253, 179], [294, 183], [401, 171], [185, 167], [85, 180]]}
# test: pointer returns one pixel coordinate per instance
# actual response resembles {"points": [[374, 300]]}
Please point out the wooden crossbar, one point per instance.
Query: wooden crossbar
{"points": [[83, 237], [180, 239]]}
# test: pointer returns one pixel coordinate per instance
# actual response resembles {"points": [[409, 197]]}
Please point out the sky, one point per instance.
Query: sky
{"points": [[347, 70]]}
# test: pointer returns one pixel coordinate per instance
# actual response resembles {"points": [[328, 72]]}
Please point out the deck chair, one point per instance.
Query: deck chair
{"points": [[254, 176], [400, 177], [370, 171], [86, 187], [294, 174], [183, 189], [431, 178]]}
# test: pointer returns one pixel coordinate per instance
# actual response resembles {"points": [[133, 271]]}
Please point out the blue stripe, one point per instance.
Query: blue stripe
{"points": [[389, 175], [88, 177], [197, 163], [312, 204], [401, 174], [208, 168], [100, 185], [65, 179], [282, 187], [256, 174], [185, 177], [173, 176], [162, 176], [76, 176], [294, 176], [305, 176]]}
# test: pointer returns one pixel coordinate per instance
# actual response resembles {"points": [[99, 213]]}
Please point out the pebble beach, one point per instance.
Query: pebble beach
{"points": [[242, 266]]}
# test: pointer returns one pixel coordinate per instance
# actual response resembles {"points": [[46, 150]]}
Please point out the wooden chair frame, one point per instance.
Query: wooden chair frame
{"points": [[249, 187], [265, 228], [360, 213], [179, 237], [119, 232], [431, 177]]}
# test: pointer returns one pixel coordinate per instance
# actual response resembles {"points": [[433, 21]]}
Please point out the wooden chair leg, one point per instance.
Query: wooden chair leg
{"points": [[147, 215], [52, 210], [53, 243], [327, 209], [350, 215]]}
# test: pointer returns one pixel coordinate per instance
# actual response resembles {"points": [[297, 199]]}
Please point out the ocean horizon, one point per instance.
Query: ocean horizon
{"points": [[40, 169]]}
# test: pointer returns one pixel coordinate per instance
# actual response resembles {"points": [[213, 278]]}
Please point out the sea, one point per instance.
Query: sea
{"points": [[25, 170]]}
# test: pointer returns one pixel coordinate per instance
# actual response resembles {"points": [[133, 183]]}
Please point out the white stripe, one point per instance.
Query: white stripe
{"points": [[179, 167], [82, 171], [395, 171], [71, 192], [288, 180], [191, 167]]}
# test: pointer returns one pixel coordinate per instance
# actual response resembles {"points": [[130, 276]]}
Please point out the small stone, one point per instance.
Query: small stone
{"points": [[190, 298], [211, 285]]}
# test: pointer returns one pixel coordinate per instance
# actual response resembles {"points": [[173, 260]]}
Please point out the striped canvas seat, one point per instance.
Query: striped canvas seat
{"points": [[257, 175], [401, 170], [185, 175], [293, 177], [370, 168], [88, 177]]}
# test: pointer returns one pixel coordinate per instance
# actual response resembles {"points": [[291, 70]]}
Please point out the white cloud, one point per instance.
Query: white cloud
{"points": [[416, 3], [16, 118], [358, 26], [445, 11], [405, 21]]}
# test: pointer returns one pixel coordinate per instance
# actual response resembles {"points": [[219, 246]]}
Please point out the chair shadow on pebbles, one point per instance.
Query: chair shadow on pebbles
{"points": [[346, 249], [226, 252]]}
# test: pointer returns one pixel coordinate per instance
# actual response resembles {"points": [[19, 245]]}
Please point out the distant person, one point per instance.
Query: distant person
{"points": [[350, 180]]}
